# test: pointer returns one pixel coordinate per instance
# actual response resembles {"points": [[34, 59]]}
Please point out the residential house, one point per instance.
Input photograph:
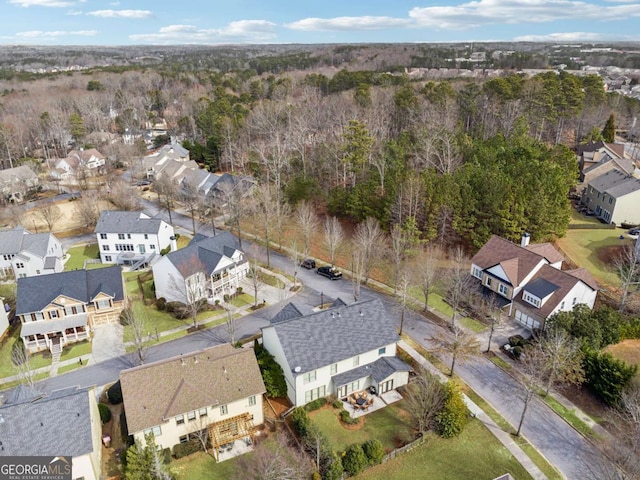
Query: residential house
{"points": [[65, 423], [4, 318], [528, 281], [336, 351], [597, 158], [158, 160], [63, 308], [614, 197], [25, 254], [130, 238], [79, 163], [209, 267], [215, 392], [17, 182]]}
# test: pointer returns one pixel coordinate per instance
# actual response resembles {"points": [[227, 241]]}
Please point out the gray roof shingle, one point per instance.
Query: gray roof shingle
{"points": [[127, 222], [379, 370], [615, 183], [332, 335], [35, 293], [541, 287], [59, 424], [11, 240], [208, 251]]}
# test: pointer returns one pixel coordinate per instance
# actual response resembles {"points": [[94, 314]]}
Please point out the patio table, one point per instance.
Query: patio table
{"points": [[361, 401]]}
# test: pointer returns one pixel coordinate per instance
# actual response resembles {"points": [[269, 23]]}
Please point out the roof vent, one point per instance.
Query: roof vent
{"points": [[298, 369], [338, 314], [361, 314]]}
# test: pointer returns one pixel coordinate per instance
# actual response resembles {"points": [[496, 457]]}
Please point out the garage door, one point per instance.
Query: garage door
{"points": [[526, 320]]}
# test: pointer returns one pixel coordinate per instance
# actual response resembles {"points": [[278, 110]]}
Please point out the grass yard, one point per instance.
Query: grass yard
{"points": [[76, 350], [242, 300], [271, 280], [389, 425], [7, 368], [153, 319], [79, 254], [68, 368], [582, 246], [627, 350], [570, 417], [474, 454]]}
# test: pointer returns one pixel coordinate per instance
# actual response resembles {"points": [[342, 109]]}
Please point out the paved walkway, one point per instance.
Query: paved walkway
{"points": [[502, 436]]}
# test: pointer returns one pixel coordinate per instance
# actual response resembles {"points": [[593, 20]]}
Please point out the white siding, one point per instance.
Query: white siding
{"points": [[167, 280]]}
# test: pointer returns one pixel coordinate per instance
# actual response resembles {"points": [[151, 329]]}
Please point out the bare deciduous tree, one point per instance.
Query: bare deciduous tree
{"points": [[424, 272], [124, 197], [459, 345], [564, 356], [399, 246], [357, 271], [425, 397], [190, 288], [333, 237], [135, 318], [370, 242], [21, 361], [492, 312], [308, 223], [458, 282], [230, 326], [167, 193], [191, 200], [265, 216], [296, 258], [50, 214], [628, 267], [254, 275], [282, 461], [534, 369], [87, 209], [403, 297]]}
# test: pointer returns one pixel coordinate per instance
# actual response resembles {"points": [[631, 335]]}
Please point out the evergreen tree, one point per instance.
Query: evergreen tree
{"points": [[609, 130], [146, 463]]}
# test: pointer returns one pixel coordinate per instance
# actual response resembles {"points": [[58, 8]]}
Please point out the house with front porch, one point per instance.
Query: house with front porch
{"points": [[527, 280], [209, 267], [63, 425], [127, 238], [214, 393], [26, 254], [62, 308], [340, 350]]}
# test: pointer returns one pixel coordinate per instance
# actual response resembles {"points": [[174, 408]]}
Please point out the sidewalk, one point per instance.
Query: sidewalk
{"points": [[502, 436]]}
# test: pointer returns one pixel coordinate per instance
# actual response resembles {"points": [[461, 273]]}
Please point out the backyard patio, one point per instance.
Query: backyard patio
{"points": [[362, 402]]}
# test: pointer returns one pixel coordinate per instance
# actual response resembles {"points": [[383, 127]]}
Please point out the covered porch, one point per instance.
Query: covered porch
{"points": [[227, 281], [49, 334], [232, 436]]}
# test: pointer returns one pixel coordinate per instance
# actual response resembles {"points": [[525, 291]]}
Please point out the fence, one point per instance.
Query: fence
{"points": [[592, 226], [407, 448]]}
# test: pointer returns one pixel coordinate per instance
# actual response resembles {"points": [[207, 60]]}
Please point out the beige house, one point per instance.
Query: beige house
{"points": [[65, 423], [614, 197], [215, 393], [62, 308]]}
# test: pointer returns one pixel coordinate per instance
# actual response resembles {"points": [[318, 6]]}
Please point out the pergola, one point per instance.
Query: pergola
{"points": [[229, 430]]}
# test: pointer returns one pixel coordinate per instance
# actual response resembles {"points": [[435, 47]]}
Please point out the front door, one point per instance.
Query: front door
{"points": [[386, 386]]}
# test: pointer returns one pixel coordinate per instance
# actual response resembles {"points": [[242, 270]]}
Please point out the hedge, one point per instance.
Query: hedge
{"points": [[187, 448], [105, 413], [315, 404], [114, 393]]}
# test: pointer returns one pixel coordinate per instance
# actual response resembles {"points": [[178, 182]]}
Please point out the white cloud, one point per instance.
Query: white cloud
{"points": [[561, 37], [56, 33], [242, 31], [121, 13], [74, 12], [42, 3], [349, 23]]}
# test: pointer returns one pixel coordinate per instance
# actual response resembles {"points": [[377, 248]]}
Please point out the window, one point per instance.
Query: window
{"points": [[121, 236], [103, 236], [127, 247], [203, 412], [252, 400], [309, 377], [105, 248], [152, 246], [37, 272], [179, 419], [103, 304], [334, 369], [129, 236], [53, 314], [356, 360], [382, 351], [610, 200], [314, 393], [477, 272], [155, 430], [107, 258], [146, 236], [575, 300], [503, 289], [224, 409], [562, 305], [488, 284], [184, 438], [191, 416], [530, 299], [19, 265]]}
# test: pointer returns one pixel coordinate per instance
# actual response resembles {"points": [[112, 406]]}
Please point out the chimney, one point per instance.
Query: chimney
{"points": [[524, 243], [174, 243]]}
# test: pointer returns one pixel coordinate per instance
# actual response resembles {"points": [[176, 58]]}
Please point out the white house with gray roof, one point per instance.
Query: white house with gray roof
{"points": [[340, 350], [25, 254], [614, 197], [126, 238], [65, 423], [16, 182], [209, 267]]}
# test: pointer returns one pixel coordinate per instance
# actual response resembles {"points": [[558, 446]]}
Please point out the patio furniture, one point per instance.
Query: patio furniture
{"points": [[366, 406], [361, 401], [370, 402], [352, 400], [356, 395], [356, 407], [364, 394]]}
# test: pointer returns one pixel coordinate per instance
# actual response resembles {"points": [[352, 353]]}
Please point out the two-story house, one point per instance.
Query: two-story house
{"points": [[614, 197], [215, 393], [529, 276], [25, 254], [340, 350], [208, 267], [63, 425], [62, 308], [79, 162], [126, 238], [17, 182]]}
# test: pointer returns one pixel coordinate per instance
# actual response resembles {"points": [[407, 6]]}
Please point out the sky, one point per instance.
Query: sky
{"points": [[214, 22]]}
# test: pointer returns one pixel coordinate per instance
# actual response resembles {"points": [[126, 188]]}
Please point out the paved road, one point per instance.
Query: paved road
{"points": [[557, 441]]}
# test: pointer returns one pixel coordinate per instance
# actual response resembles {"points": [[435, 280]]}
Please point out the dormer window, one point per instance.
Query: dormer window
{"points": [[535, 301], [477, 272]]}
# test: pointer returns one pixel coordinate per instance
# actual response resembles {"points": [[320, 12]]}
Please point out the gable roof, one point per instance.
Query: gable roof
{"points": [[112, 221], [11, 240], [615, 183], [48, 425], [21, 173], [156, 392], [207, 252], [516, 261], [552, 281], [332, 335], [20, 240], [35, 293]]}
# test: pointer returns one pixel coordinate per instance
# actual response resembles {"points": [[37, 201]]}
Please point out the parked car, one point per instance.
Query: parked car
{"points": [[634, 232], [308, 263], [331, 273]]}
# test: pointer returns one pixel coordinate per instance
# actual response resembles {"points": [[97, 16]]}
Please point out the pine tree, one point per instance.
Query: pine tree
{"points": [[146, 463], [609, 130]]}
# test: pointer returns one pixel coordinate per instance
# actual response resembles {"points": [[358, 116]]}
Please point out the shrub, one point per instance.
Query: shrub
{"points": [[105, 413], [114, 393], [348, 419], [300, 421], [124, 317], [315, 404], [225, 298], [332, 467], [374, 451], [187, 448], [239, 290], [454, 415], [336, 403], [272, 373], [354, 460], [161, 303], [606, 376], [165, 250]]}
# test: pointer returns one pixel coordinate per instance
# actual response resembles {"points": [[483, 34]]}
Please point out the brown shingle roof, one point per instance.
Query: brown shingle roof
{"points": [[161, 390], [517, 262], [547, 251], [584, 275]]}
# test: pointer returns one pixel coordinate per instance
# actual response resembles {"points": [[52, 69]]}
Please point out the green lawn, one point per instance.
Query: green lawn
{"points": [[153, 319], [36, 378], [8, 292], [474, 454], [242, 300], [271, 280], [79, 254], [7, 368], [570, 417], [76, 350], [387, 425], [68, 368]]}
